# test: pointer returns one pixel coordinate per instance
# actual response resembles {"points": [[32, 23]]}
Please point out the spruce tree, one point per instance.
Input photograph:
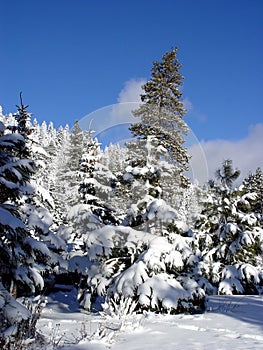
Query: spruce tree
{"points": [[144, 178], [37, 203], [97, 181], [23, 126], [19, 252], [161, 112], [229, 238], [23, 118]]}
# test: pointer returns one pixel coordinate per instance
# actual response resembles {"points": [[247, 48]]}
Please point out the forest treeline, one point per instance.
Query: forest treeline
{"points": [[123, 222]]}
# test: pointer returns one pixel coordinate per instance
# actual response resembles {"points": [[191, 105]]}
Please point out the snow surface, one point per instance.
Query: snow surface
{"points": [[230, 322]]}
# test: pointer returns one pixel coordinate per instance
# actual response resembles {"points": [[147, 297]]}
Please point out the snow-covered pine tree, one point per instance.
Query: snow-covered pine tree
{"points": [[82, 215], [7, 119], [144, 178], [94, 181], [23, 256], [112, 249], [230, 236], [64, 150], [152, 264], [188, 202], [37, 204], [75, 149], [19, 251], [158, 270], [68, 176], [97, 181], [36, 143], [57, 147], [254, 183], [23, 119], [161, 112], [41, 211], [157, 274], [92, 211], [115, 158]]}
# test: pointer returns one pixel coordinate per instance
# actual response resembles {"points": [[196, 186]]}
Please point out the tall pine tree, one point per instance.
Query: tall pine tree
{"points": [[161, 112]]}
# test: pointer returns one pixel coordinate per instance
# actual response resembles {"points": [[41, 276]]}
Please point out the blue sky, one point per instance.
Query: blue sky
{"points": [[71, 58]]}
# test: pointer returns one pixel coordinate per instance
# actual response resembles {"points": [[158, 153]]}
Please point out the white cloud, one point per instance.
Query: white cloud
{"points": [[120, 113], [128, 99], [131, 91], [247, 153]]}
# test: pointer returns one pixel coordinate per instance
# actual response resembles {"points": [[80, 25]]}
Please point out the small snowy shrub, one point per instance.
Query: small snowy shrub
{"points": [[160, 280], [18, 322], [117, 317]]}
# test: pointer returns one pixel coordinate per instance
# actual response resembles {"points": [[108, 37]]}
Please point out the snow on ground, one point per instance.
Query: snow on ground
{"points": [[230, 322]]}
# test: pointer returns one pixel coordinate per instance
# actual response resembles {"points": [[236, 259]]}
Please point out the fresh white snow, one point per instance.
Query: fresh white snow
{"points": [[230, 322]]}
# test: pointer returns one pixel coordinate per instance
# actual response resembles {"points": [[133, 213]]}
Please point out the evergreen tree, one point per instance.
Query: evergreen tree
{"points": [[65, 150], [82, 215], [23, 258], [69, 172], [92, 209], [88, 216], [58, 173], [227, 175], [97, 181], [37, 204], [254, 183], [19, 252], [229, 238], [23, 119], [161, 113], [75, 149], [153, 265], [40, 212], [23, 126], [115, 158], [188, 202], [144, 178]]}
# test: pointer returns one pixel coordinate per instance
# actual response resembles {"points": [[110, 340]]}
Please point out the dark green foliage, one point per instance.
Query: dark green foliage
{"points": [[162, 111], [22, 118], [15, 250], [14, 172]]}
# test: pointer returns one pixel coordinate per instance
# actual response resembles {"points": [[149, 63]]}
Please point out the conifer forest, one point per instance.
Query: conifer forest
{"points": [[121, 224]]}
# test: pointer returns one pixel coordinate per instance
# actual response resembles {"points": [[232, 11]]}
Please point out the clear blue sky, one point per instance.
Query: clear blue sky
{"points": [[71, 57]]}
